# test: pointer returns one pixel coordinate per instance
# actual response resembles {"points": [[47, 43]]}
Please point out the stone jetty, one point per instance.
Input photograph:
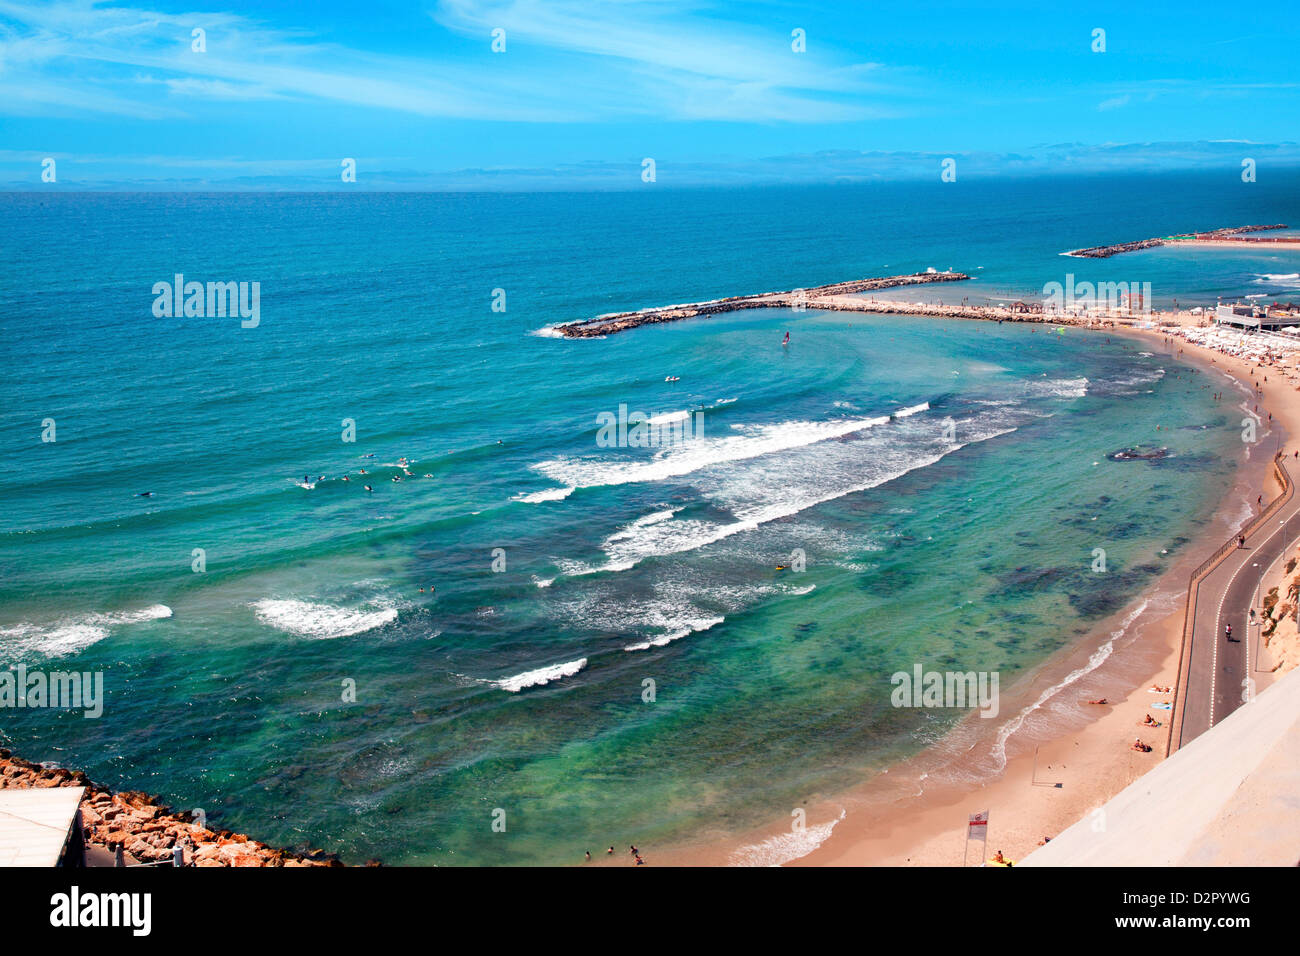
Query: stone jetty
{"points": [[1213, 235], [147, 830], [837, 296]]}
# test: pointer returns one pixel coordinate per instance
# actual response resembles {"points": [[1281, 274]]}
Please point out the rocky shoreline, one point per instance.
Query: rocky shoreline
{"points": [[1105, 252], [147, 829], [795, 298]]}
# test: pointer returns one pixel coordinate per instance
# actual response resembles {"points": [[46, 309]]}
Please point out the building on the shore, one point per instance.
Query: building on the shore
{"points": [[1253, 317], [41, 826]]}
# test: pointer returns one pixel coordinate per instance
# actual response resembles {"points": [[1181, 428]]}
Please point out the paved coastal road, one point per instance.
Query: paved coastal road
{"points": [[1217, 668]]}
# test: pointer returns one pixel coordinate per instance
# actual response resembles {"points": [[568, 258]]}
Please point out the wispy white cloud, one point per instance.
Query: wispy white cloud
{"points": [[671, 38], [567, 61]]}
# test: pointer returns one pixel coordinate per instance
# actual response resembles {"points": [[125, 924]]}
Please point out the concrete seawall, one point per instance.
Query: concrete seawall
{"points": [[1229, 233], [837, 296]]}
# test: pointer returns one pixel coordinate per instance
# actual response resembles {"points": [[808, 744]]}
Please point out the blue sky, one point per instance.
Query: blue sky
{"points": [[587, 88]]}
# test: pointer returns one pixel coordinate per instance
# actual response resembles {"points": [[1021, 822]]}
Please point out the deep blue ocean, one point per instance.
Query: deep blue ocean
{"points": [[595, 640]]}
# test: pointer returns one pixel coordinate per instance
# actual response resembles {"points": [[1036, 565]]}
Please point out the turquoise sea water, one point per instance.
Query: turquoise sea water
{"points": [[958, 534]]}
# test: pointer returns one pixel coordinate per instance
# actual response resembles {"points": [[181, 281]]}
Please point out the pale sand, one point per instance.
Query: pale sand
{"points": [[916, 813]]}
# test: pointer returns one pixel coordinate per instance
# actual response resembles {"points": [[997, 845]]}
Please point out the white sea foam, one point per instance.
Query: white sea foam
{"points": [[644, 522], [322, 621], [667, 418], [539, 677], [683, 459], [767, 492], [71, 634], [784, 847], [547, 332], [1276, 276], [694, 625], [912, 410], [546, 494]]}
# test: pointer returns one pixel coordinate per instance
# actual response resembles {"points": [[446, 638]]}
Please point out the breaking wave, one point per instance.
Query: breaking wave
{"points": [[71, 634], [321, 621]]}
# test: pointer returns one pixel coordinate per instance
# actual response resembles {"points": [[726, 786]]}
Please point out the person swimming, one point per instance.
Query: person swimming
{"points": [[368, 488], [786, 340]]}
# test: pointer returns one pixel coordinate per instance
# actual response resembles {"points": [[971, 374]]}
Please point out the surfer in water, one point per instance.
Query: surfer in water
{"points": [[786, 340]]}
